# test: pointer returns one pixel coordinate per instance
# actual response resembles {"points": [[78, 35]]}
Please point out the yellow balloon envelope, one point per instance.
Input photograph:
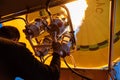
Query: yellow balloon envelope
{"points": [[93, 39]]}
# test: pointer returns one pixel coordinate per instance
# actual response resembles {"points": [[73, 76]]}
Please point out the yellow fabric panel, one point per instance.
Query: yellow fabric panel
{"points": [[95, 27]]}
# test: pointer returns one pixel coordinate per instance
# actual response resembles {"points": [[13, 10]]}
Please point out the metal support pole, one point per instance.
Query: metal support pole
{"points": [[112, 26]]}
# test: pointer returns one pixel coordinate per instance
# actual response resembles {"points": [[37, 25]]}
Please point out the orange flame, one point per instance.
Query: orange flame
{"points": [[77, 13]]}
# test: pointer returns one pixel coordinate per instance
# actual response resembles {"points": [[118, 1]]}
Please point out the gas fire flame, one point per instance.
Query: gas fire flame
{"points": [[77, 13]]}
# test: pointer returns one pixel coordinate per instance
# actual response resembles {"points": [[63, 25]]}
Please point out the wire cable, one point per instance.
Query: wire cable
{"points": [[75, 71]]}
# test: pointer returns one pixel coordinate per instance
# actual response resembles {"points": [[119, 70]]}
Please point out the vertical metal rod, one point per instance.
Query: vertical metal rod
{"points": [[71, 25], [112, 26]]}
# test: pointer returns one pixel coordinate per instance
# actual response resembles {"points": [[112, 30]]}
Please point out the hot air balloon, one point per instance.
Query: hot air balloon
{"points": [[97, 33]]}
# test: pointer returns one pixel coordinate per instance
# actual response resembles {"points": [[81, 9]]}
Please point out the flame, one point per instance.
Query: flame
{"points": [[77, 13]]}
